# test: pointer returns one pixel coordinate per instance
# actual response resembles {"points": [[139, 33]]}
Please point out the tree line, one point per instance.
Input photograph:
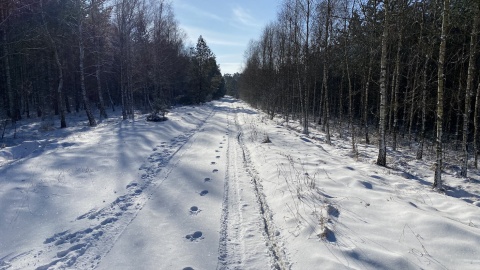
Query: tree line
{"points": [[405, 68], [58, 56]]}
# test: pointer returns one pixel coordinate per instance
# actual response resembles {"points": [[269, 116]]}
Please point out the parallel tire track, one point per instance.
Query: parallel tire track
{"points": [[275, 248]]}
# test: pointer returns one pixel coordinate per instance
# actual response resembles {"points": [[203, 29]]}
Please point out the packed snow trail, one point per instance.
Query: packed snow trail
{"points": [[199, 209], [242, 239], [192, 205]]}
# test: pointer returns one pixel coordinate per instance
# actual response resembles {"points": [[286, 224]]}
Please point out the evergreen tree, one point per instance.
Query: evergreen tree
{"points": [[205, 80]]}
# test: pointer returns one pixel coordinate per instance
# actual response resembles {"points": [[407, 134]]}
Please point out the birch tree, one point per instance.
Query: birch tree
{"points": [[437, 183], [328, 13], [468, 89], [81, 10], [382, 146]]}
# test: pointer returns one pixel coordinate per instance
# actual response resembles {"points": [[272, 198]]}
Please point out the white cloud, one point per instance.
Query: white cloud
{"points": [[198, 12], [243, 16], [225, 42], [212, 37]]}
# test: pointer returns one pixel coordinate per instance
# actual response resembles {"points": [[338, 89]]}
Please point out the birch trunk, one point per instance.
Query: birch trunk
{"points": [[396, 91], [382, 148], [437, 183], [424, 108], [325, 76], [468, 91], [81, 50], [476, 119]]}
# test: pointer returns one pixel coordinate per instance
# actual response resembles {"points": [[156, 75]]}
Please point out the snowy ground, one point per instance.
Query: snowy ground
{"points": [[201, 191]]}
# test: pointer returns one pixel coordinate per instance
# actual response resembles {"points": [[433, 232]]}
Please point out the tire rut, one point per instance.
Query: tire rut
{"points": [[276, 250]]}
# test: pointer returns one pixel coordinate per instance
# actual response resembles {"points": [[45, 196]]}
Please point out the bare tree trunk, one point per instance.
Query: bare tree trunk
{"points": [[476, 121], [437, 184], [306, 68], [103, 111], [124, 16], [396, 91], [81, 50], [413, 94], [405, 103], [101, 103], [61, 107], [325, 76], [350, 88], [458, 96], [424, 108], [12, 110], [365, 104], [382, 147], [350, 104], [110, 98], [468, 90], [123, 90]]}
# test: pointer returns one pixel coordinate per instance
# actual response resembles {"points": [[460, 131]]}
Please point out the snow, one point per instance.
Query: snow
{"points": [[201, 191]]}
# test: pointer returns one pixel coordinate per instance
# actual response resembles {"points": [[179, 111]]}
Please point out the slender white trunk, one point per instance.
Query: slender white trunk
{"points": [[469, 91], [382, 147], [81, 50], [437, 183]]}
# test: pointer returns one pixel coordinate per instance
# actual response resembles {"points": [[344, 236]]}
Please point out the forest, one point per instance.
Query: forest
{"points": [[402, 71], [59, 56]]}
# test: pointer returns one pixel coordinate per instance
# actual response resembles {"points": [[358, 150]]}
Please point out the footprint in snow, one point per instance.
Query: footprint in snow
{"points": [[217, 151], [188, 268], [215, 170], [207, 179], [213, 163], [220, 147], [217, 157], [133, 184], [194, 236], [194, 210], [203, 192]]}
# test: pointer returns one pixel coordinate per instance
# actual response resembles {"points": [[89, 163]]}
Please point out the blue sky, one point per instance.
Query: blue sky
{"points": [[226, 25]]}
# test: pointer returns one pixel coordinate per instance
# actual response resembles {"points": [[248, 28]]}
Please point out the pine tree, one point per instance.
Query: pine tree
{"points": [[206, 78]]}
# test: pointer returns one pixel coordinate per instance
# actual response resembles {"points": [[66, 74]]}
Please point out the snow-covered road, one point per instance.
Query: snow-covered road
{"points": [[201, 191], [179, 227], [190, 204]]}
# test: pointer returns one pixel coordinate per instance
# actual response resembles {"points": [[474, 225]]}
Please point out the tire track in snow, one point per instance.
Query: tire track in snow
{"points": [[275, 247], [84, 248], [229, 254], [245, 239]]}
